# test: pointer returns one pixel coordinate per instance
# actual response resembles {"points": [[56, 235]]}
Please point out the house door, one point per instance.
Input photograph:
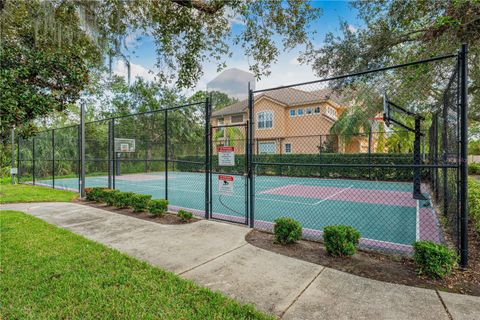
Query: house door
{"points": [[228, 173]]}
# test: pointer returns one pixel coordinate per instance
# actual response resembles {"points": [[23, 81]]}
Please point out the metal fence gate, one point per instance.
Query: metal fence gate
{"points": [[377, 150], [228, 172]]}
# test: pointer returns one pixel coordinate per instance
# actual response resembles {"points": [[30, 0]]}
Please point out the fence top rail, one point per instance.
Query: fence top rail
{"points": [[149, 112], [355, 74], [120, 117], [357, 165]]}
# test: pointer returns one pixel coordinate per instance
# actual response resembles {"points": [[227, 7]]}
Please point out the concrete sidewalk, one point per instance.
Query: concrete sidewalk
{"points": [[216, 255]]}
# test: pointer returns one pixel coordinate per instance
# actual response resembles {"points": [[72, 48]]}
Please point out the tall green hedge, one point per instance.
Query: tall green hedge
{"points": [[387, 174]]}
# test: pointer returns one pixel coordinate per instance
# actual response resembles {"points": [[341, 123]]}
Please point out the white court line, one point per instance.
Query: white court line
{"points": [[333, 195]]}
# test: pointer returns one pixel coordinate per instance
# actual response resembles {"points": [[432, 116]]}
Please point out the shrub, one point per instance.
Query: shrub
{"points": [[185, 216], [434, 260], [108, 196], [94, 194], [88, 194], [158, 207], [287, 230], [474, 168], [139, 202], [122, 200], [474, 202], [341, 240]]}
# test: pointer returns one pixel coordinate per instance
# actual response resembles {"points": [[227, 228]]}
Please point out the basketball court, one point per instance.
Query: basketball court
{"points": [[384, 212]]}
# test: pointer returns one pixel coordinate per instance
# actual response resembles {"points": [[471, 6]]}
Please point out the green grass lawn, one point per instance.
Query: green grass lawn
{"points": [[50, 273], [27, 193]]}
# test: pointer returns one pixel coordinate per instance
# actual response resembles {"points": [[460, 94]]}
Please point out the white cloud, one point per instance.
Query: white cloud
{"points": [[136, 70], [352, 28], [294, 61]]}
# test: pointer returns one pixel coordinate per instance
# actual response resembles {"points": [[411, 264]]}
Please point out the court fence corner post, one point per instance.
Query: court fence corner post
{"points": [[207, 157], [250, 173], [53, 158], [463, 156], [165, 123], [13, 155], [82, 149]]}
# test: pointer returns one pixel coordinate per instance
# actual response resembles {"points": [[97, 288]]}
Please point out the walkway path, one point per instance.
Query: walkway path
{"points": [[216, 255]]}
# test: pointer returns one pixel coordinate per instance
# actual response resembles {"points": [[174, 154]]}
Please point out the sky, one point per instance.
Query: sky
{"points": [[285, 71]]}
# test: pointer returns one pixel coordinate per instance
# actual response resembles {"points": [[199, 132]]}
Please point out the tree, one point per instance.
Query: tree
{"points": [[188, 33], [219, 99], [43, 69], [402, 31]]}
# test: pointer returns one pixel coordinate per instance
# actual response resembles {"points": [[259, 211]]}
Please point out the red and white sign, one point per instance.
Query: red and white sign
{"points": [[226, 156], [225, 184]]}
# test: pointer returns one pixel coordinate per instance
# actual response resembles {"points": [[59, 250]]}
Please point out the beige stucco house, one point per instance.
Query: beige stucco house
{"points": [[287, 121]]}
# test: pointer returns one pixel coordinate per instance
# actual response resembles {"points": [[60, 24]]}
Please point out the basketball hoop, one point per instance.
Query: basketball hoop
{"points": [[376, 119]]}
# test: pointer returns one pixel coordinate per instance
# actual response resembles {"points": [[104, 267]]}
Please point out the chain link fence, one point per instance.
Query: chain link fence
{"points": [[380, 150]]}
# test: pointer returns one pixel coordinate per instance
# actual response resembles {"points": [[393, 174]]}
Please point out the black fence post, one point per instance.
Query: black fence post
{"points": [[113, 155], [33, 160], [370, 152], [250, 158], [18, 160], [109, 154], [13, 155], [463, 156], [53, 158], [207, 158], [166, 152], [78, 157], [82, 149]]}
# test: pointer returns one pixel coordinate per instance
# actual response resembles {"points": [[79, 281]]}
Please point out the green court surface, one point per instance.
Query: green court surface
{"points": [[384, 212]]}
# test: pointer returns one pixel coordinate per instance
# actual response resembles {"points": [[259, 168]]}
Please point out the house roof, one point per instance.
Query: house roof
{"points": [[287, 96]]}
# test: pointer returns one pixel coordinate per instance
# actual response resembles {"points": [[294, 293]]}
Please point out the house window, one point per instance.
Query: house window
{"points": [[266, 148], [220, 121], [331, 112], [317, 110], [288, 148], [265, 120], [236, 119], [300, 112], [292, 112], [308, 111]]}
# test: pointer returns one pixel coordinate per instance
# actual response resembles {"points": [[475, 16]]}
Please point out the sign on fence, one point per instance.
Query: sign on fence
{"points": [[225, 184], [13, 171], [226, 156]]}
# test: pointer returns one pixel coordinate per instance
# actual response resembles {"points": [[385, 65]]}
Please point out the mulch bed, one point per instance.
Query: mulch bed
{"points": [[167, 218], [379, 266]]}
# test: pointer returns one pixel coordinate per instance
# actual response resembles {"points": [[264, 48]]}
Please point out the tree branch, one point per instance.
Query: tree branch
{"points": [[200, 5]]}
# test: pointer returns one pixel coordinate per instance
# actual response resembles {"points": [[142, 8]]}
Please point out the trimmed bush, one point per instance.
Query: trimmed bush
{"points": [[185, 216], [88, 194], [434, 260], [122, 200], [108, 196], [384, 174], [287, 230], [474, 202], [158, 207], [474, 168], [341, 240], [139, 202], [94, 194]]}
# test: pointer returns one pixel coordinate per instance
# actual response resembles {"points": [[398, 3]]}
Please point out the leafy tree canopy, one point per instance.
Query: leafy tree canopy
{"points": [[402, 31], [188, 33], [45, 61]]}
